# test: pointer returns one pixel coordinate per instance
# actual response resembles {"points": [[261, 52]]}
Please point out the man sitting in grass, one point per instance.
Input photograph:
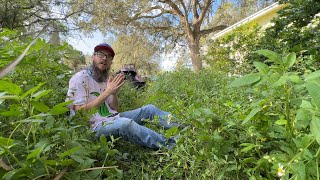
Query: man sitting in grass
{"points": [[94, 89]]}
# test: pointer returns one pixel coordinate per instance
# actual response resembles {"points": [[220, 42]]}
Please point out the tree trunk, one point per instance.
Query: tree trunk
{"points": [[194, 47], [55, 37]]}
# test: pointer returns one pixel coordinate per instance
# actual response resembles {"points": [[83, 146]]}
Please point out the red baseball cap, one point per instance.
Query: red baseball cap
{"points": [[106, 47]]}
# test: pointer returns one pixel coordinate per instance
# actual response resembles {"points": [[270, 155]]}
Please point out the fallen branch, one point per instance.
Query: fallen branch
{"points": [[96, 168], [5, 166], [61, 174]]}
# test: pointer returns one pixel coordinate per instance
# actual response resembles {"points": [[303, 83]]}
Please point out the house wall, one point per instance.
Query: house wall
{"points": [[265, 19], [262, 17]]}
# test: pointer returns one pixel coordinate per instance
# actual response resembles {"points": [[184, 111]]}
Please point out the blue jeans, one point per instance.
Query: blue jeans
{"points": [[129, 126]]}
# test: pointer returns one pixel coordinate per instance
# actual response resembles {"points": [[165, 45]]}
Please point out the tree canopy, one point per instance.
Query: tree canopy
{"points": [[170, 21]]}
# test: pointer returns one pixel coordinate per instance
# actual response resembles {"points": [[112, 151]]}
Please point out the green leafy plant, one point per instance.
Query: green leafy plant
{"points": [[285, 101], [38, 139]]}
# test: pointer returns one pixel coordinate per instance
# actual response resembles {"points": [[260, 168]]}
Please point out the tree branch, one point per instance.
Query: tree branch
{"points": [[184, 8], [163, 11], [175, 8], [194, 11], [140, 14], [183, 19], [213, 29], [207, 4]]}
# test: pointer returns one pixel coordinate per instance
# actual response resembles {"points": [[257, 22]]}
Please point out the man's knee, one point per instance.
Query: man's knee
{"points": [[125, 123], [149, 107]]}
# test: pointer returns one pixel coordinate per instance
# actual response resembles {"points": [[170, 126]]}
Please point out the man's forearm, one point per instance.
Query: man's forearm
{"points": [[114, 104], [93, 104]]}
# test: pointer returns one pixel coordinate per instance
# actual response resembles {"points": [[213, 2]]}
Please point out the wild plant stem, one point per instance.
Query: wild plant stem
{"points": [[12, 155], [14, 130], [301, 152], [318, 152], [289, 123], [317, 168], [34, 137]]}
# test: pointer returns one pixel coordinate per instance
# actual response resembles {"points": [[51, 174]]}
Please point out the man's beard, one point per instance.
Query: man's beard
{"points": [[99, 75]]}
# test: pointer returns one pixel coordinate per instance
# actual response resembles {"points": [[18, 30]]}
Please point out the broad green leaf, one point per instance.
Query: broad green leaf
{"points": [[6, 141], [38, 45], [281, 122], [264, 80], [94, 174], [306, 104], [251, 114], [43, 143], [289, 60], [302, 142], [206, 111], [274, 78], [273, 56], [11, 113], [286, 77], [303, 119], [31, 91], [69, 152], [313, 89], [216, 136], [248, 147], [50, 120], [58, 110], [315, 128], [39, 94], [10, 87], [281, 81], [245, 80], [11, 174], [35, 153], [312, 76], [77, 158], [307, 154], [40, 106], [204, 138], [64, 103], [263, 68], [171, 132], [51, 162], [103, 140], [197, 123], [3, 97], [294, 77], [299, 170]]}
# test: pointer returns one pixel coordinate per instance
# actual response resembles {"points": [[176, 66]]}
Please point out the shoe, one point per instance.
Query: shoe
{"points": [[171, 143]]}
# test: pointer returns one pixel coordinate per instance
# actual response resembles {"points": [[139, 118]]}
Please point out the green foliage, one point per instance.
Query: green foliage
{"points": [[37, 137], [228, 52], [295, 30], [202, 101], [130, 97], [291, 114], [262, 125], [72, 57]]}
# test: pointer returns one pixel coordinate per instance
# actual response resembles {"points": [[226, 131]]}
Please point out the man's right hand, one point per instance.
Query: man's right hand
{"points": [[114, 84]]}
